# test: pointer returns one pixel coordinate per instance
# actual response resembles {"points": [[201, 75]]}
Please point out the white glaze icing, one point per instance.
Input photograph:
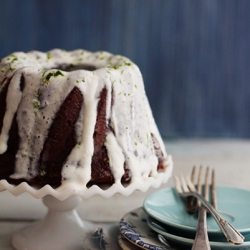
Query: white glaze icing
{"points": [[14, 93], [131, 116]]}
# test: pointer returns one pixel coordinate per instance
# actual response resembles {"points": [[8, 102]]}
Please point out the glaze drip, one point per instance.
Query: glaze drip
{"points": [[36, 93]]}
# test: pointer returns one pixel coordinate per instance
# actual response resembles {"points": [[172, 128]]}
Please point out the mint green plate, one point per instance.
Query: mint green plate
{"points": [[181, 241], [168, 207]]}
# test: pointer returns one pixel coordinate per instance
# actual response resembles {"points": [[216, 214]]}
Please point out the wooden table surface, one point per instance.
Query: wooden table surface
{"points": [[230, 159]]}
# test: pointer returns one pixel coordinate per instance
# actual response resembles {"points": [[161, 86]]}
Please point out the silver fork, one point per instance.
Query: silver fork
{"points": [[201, 241], [186, 188]]}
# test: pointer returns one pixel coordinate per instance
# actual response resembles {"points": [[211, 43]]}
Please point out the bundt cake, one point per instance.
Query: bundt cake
{"points": [[76, 118]]}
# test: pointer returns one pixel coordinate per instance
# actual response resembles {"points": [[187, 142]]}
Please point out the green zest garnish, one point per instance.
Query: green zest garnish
{"points": [[42, 173], [14, 58], [49, 56], [35, 106], [53, 74], [36, 93]]}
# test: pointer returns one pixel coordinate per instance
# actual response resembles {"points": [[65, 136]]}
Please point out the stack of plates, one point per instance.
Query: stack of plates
{"points": [[164, 213]]}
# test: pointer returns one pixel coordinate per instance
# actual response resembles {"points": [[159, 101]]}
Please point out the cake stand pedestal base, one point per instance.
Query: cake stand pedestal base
{"points": [[61, 229]]}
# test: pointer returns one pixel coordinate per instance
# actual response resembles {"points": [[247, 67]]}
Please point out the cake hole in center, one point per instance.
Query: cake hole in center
{"points": [[71, 67]]}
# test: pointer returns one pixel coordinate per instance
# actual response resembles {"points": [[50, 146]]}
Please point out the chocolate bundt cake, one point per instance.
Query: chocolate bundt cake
{"points": [[75, 118]]}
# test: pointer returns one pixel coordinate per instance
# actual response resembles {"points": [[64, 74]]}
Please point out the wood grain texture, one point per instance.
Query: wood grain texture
{"points": [[194, 55]]}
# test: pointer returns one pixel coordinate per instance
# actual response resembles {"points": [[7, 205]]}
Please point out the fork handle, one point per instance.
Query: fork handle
{"points": [[201, 241], [228, 230]]}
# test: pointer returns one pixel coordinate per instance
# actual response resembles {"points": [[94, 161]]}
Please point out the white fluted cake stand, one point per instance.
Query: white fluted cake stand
{"points": [[62, 228]]}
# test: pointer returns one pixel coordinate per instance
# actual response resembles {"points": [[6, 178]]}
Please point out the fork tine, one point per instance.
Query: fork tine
{"points": [[207, 186], [214, 200], [184, 184], [199, 185], [191, 203], [190, 184], [193, 173], [177, 184]]}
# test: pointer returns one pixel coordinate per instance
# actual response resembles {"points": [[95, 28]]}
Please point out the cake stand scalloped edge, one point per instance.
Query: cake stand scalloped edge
{"points": [[104, 191], [62, 228]]}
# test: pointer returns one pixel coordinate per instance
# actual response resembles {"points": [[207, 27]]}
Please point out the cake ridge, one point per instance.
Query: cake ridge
{"points": [[129, 123]]}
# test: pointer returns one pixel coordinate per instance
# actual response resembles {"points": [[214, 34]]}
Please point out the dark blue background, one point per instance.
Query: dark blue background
{"points": [[194, 54]]}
